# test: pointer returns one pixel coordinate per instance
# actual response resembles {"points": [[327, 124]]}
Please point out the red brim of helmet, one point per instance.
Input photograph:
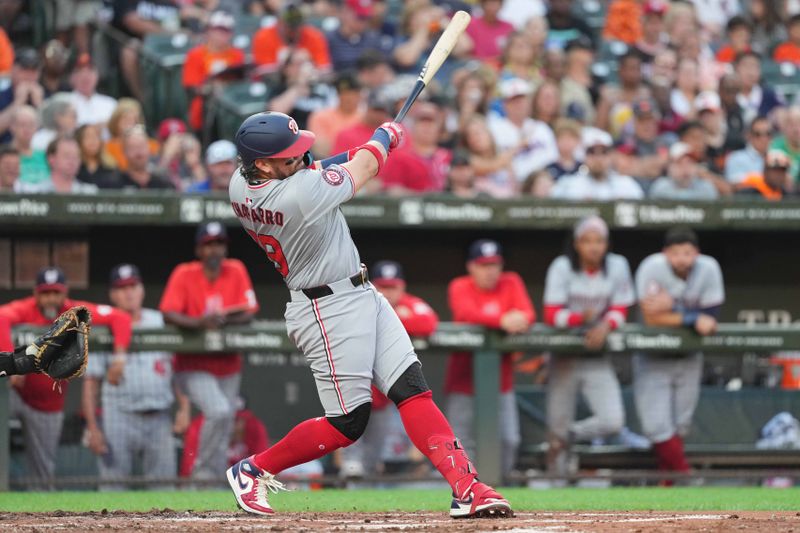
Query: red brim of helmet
{"points": [[302, 145]]}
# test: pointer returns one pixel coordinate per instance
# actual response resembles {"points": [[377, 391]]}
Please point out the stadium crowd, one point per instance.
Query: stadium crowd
{"points": [[656, 98]]}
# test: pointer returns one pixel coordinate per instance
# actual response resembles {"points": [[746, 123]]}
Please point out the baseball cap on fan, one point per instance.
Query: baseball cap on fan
{"points": [[124, 275], [655, 7], [513, 87], [386, 273], [51, 279], [210, 232], [362, 8], [219, 151], [485, 251], [221, 20]]}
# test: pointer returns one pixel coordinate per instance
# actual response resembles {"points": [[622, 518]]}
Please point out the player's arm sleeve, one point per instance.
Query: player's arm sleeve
{"points": [[423, 320], [556, 295], [713, 294], [321, 191], [466, 310], [119, 322]]}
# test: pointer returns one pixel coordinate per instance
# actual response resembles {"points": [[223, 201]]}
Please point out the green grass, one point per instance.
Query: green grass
{"points": [[618, 499]]}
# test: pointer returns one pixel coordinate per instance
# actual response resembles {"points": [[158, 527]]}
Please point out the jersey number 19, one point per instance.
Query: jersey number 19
{"points": [[274, 251]]}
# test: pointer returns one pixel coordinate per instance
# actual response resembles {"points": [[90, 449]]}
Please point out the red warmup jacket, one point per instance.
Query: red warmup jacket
{"points": [[38, 390], [420, 320], [249, 437], [471, 305]]}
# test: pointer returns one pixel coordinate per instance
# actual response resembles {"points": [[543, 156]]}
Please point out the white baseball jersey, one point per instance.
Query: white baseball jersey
{"points": [[582, 291], [298, 223], [703, 288]]}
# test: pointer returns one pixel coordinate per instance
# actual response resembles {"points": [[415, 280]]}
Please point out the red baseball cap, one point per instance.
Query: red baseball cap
{"points": [[655, 7], [362, 8], [169, 126]]}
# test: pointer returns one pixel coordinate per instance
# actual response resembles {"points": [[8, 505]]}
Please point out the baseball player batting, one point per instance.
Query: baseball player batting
{"points": [[347, 330]]}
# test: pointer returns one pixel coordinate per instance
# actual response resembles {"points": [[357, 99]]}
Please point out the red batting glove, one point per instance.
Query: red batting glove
{"points": [[395, 131]]}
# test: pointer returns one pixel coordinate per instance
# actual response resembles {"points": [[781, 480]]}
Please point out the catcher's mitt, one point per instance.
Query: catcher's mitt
{"points": [[63, 351]]}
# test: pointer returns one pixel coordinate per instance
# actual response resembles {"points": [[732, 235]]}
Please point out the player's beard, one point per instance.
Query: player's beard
{"points": [[49, 312]]}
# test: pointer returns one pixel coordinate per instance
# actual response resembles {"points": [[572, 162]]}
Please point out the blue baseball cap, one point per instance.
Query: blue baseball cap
{"points": [[485, 251], [384, 273], [211, 231], [51, 279]]}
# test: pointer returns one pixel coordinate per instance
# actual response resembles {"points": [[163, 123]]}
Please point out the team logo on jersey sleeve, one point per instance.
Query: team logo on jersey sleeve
{"points": [[334, 176], [293, 126]]}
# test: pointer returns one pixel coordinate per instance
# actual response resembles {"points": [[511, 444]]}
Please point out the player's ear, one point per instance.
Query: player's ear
{"points": [[263, 166]]}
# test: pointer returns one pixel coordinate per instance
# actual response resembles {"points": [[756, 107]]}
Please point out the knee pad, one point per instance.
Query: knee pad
{"points": [[353, 424], [410, 383]]}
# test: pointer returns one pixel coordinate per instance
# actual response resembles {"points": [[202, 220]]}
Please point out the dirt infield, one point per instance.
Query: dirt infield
{"points": [[562, 522]]}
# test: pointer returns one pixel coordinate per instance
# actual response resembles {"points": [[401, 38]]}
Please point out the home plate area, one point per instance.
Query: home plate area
{"points": [[566, 522]]}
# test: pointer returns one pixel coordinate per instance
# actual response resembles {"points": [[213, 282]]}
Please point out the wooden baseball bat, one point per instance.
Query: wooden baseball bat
{"points": [[443, 47]]}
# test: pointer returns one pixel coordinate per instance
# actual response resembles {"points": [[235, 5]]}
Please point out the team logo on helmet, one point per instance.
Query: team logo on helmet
{"points": [[333, 177], [293, 126]]}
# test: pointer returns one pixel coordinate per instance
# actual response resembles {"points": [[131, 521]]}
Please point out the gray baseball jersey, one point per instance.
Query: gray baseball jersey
{"points": [[147, 382], [581, 291], [703, 288], [666, 389], [593, 377], [352, 337], [298, 223]]}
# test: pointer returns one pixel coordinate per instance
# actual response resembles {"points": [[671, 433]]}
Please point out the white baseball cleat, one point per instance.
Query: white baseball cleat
{"points": [[481, 501], [251, 486]]}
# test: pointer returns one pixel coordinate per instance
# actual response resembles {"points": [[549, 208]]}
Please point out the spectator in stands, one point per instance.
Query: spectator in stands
{"points": [[299, 90], [328, 122], [181, 161], [563, 25], [654, 40], [685, 91], [58, 118], [677, 288], [714, 14], [419, 320], [91, 106], [729, 87], [209, 294], [767, 18], [789, 51], [126, 115], [473, 93], [271, 43], [6, 53], [24, 89], [380, 108], [644, 155], [771, 184], [554, 65], [789, 139], [207, 61], [137, 19], [520, 59], [750, 160], [25, 122], [538, 185], [374, 70], [739, 31], [588, 289], [136, 414], [661, 74], [353, 37], [614, 108], [596, 180], [708, 107], [679, 21], [546, 106], [623, 21], [489, 297], [421, 165], [73, 20], [421, 27], [533, 141], [9, 169], [249, 436], [520, 12], [93, 170], [64, 160], [139, 173], [488, 32], [34, 399], [460, 180], [494, 169], [755, 98], [568, 141], [55, 59], [576, 85], [220, 165], [682, 181], [710, 164], [536, 28]]}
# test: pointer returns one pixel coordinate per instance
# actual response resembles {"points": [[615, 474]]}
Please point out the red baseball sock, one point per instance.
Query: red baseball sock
{"points": [[671, 455], [307, 441], [430, 432]]}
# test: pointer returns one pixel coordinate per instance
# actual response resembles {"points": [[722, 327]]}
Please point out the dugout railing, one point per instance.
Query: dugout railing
{"points": [[268, 337]]}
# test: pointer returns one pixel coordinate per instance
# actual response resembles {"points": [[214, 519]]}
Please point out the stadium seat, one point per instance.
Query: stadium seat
{"points": [[783, 77], [235, 103], [161, 60], [591, 11]]}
